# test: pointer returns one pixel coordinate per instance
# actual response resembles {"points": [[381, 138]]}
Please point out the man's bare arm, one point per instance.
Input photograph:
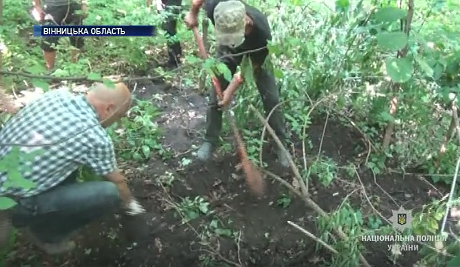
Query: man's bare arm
{"points": [[235, 83], [38, 13], [119, 180], [130, 204], [196, 5]]}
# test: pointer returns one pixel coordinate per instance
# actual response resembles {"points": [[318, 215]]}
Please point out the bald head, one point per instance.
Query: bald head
{"points": [[110, 103]]}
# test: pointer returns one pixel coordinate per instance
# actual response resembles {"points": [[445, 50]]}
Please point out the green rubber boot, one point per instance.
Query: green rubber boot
{"points": [[204, 153], [283, 158]]}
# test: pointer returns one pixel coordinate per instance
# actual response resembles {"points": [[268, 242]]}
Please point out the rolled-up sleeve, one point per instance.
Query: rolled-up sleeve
{"points": [[101, 158]]}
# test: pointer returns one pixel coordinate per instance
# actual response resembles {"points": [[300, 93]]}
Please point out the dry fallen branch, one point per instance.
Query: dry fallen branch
{"points": [[303, 193], [312, 236], [262, 136], [85, 78], [78, 79], [281, 146]]}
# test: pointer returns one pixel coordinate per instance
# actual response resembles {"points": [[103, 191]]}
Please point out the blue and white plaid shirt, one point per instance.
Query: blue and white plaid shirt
{"points": [[67, 131]]}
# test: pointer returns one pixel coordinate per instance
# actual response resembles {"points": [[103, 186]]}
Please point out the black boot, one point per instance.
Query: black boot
{"points": [[174, 54]]}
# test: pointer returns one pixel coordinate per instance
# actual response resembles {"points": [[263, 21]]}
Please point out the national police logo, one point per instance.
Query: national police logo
{"points": [[401, 219]]}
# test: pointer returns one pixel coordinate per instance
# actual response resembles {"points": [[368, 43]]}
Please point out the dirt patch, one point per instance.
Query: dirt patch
{"points": [[243, 230]]}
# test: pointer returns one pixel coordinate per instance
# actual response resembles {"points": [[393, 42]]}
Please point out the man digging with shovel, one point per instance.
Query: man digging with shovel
{"points": [[68, 132], [239, 28]]}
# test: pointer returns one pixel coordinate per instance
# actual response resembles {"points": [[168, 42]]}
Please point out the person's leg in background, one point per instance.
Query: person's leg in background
{"points": [[54, 15], [52, 216], [214, 114], [48, 46], [58, 15], [75, 19], [173, 8], [270, 94]]}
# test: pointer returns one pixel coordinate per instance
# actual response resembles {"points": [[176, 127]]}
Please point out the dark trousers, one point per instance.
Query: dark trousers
{"points": [[268, 90], [62, 15], [56, 213], [173, 7]]}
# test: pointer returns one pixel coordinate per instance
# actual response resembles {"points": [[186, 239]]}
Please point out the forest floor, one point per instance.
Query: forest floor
{"points": [[257, 229]]}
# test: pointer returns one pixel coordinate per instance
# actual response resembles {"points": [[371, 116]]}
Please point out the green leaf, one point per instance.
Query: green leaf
{"points": [[36, 69], [41, 84], [213, 224], [146, 151], [137, 156], [438, 216], [424, 66], [433, 226], [454, 262], [392, 41], [4, 165], [389, 14], [192, 215], [6, 203], [223, 69], [204, 208], [438, 71], [274, 49], [399, 69], [223, 232], [192, 59], [108, 83], [278, 74], [61, 73], [16, 177], [386, 116], [94, 76], [342, 5]]}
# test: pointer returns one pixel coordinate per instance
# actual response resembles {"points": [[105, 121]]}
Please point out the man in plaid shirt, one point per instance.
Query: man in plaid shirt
{"points": [[64, 132]]}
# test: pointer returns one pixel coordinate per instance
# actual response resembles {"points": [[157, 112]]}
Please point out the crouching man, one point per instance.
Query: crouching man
{"points": [[64, 132]]}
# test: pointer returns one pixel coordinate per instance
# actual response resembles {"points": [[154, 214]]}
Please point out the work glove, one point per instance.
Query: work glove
{"points": [[134, 208]]}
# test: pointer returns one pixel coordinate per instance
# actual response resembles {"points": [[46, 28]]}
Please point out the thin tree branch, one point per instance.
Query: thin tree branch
{"points": [[85, 78]]}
